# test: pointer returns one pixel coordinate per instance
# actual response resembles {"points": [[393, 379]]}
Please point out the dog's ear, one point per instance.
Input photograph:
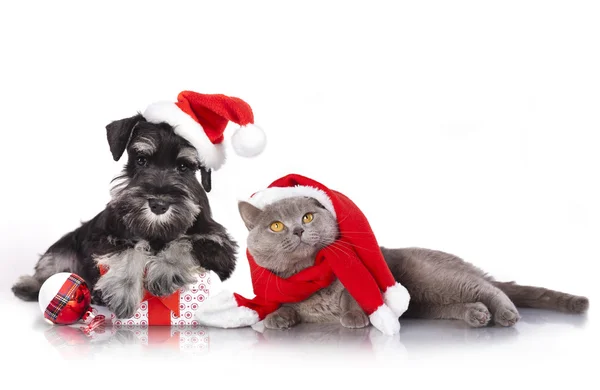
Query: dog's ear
{"points": [[206, 180], [249, 214], [119, 133]]}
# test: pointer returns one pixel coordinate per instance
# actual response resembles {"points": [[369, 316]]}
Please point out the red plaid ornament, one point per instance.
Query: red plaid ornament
{"points": [[65, 299]]}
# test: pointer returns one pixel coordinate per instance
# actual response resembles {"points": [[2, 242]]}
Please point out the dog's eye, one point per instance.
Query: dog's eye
{"points": [[142, 161], [182, 167]]}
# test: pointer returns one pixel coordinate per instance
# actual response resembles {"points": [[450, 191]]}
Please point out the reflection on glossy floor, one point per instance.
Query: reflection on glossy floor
{"points": [[417, 338], [544, 348]]}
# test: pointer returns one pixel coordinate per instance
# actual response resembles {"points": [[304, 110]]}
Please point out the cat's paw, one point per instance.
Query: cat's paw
{"points": [[283, 318], [477, 315], [354, 319], [506, 316]]}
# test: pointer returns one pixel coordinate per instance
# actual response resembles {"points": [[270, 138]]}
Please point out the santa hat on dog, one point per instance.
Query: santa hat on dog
{"points": [[360, 267], [201, 119]]}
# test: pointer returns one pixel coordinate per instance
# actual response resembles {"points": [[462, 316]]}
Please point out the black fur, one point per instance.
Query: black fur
{"points": [[126, 220], [119, 132]]}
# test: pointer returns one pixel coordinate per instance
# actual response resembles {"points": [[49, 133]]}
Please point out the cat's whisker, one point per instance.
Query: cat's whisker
{"points": [[279, 287], [350, 245], [345, 218], [336, 246]]}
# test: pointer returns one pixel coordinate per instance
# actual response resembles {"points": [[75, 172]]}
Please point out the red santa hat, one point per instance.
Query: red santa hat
{"points": [[361, 267], [201, 119]]}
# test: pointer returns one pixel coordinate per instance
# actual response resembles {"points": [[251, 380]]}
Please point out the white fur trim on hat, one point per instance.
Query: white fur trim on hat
{"points": [[270, 195], [211, 155], [249, 141], [397, 298], [385, 320], [222, 311]]}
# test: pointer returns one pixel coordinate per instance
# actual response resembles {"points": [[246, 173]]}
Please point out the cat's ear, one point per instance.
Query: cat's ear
{"points": [[249, 214], [316, 203]]}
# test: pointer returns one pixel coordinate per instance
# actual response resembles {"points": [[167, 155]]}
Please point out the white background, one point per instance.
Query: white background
{"points": [[465, 126]]}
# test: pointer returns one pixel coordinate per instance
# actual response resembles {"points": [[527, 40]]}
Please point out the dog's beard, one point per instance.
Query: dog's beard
{"points": [[135, 213]]}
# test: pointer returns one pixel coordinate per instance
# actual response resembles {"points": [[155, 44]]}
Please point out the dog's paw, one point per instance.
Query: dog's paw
{"points": [[164, 285], [121, 296], [283, 318], [123, 302], [354, 319], [97, 298], [163, 279], [124, 308]]}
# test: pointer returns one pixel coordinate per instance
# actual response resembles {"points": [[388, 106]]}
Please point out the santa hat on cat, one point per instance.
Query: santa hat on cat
{"points": [[356, 261], [201, 119]]}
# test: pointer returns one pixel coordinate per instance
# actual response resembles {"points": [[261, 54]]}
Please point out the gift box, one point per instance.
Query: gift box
{"points": [[72, 343], [182, 338], [175, 309]]}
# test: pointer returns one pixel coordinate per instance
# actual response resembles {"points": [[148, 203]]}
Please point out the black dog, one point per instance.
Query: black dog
{"points": [[158, 222]]}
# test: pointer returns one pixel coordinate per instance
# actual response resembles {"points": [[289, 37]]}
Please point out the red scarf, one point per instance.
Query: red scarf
{"points": [[272, 290], [355, 259]]}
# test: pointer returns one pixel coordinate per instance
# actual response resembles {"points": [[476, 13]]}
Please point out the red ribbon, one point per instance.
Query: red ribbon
{"points": [[162, 336], [95, 323], [160, 308]]}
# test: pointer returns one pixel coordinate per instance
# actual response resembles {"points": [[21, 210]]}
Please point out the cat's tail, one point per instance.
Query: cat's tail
{"points": [[543, 298]]}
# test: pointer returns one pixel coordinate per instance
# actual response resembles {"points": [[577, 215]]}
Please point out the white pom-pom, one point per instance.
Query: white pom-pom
{"points": [[385, 320], [50, 288], [397, 298], [249, 141]]}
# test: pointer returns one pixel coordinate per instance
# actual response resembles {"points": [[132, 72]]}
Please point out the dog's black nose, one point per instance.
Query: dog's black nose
{"points": [[158, 206], [298, 231]]}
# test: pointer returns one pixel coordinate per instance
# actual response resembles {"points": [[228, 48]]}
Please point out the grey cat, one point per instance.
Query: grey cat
{"points": [[286, 235]]}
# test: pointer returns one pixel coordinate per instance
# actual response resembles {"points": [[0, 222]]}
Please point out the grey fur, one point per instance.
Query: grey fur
{"points": [[171, 269], [283, 318], [130, 234], [166, 271], [27, 287], [441, 285], [439, 281], [284, 253], [121, 287]]}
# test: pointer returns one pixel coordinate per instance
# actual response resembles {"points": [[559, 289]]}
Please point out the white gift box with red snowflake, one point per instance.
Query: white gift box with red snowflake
{"points": [[175, 309], [182, 338]]}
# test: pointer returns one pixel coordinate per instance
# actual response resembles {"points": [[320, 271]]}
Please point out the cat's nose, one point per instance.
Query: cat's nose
{"points": [[298, 231]]}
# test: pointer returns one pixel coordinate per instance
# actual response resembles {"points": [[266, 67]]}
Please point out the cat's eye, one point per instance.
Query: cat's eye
{"points": [[277, 226], [308, 217]]}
